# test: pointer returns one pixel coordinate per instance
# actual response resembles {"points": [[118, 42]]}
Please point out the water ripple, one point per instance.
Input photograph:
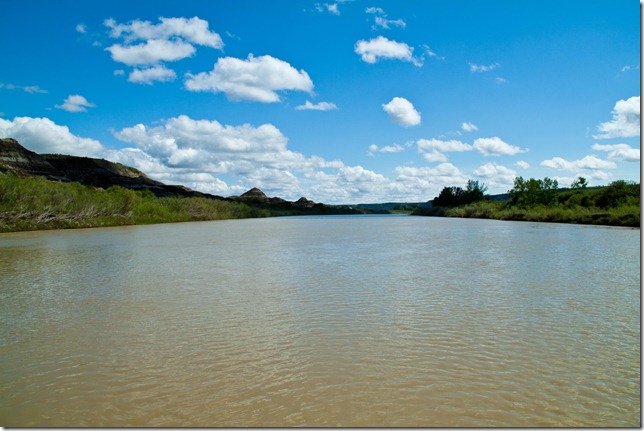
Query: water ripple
{"points": [[313, 322]]}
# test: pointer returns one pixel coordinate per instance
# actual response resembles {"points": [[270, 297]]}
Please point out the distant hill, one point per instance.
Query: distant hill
{"points": [[19, 161]]}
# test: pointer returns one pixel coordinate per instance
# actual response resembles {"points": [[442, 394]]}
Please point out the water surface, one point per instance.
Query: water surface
{"points": [[321, 321]]}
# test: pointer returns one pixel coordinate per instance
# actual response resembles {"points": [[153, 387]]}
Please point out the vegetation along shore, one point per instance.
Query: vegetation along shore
{"points": [[40, 191], [44, 191], [617, 204]]}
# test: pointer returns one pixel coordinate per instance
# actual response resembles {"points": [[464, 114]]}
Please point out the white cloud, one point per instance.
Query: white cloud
{"points": [[151, 52], [31, 89], [495, 147], [381, 21], [622, 152], [382, 48], [385, 23], [392, 149], [442, 146], [42, 135], [182, 138], [402, 112], [587, 163], [322, 106], [426, 182], [523, 164], [469, 127], [375, 10], [625, 122], [193, 30], [333, 8], [396, 148], [255, 155], [75, 103], [358, 176], [328, 7], [500, 80], [496, 175], [476, 68], [119, 72], [146, 44], [254, 79], [431, 53], [434, 156], [155, 73], [630, 67]]}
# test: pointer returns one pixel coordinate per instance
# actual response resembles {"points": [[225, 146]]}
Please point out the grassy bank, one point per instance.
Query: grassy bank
{"points": [[35, 204], [617, 204], [619, 216]]}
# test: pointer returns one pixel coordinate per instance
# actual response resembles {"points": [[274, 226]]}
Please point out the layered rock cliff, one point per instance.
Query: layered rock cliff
{"points": [[19, 161]]}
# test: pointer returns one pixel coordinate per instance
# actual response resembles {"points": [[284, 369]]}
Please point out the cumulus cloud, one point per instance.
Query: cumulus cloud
{"points": [[427, 182], [322, 106], [523, 164], [469, 127], [587, 163], [151, 45], [182, 140], [151, 52], [81, 28], [396, 148], [442, 146], [434, 156], [254, 79], [625, 122], [193, 30], [402, 112], [622, 152], [42, 135], [495, 147], [496, 175], [255, 155], [370, 51], [75, 103], [155, 73]]}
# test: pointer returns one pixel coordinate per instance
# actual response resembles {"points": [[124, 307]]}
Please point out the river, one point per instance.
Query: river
{"points": [[345, 321]]}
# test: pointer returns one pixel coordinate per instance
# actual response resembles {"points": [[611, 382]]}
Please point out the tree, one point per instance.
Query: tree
{"points": [[456, 196], [529, 193], [579, 183], [474, 191], [448, 197]]}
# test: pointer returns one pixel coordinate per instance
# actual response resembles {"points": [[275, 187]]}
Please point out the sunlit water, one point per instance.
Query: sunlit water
{"points": [[321, 321]]}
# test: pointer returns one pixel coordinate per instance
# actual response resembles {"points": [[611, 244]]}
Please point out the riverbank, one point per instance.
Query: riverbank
{"points": [[35, 203], [624, 215]]}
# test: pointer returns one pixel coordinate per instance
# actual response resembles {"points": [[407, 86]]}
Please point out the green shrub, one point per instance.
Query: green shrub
{"points": [[35, 203]]}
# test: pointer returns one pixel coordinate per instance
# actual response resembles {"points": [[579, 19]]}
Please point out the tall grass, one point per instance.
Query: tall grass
{"points": [[627, 214], [35, 203]]}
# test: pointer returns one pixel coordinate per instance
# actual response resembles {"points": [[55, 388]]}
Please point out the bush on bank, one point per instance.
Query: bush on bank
{"points": [[35, 203], [617, 204]]}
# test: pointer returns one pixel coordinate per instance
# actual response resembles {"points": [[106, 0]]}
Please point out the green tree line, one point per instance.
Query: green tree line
{"points": [[617, 204]]}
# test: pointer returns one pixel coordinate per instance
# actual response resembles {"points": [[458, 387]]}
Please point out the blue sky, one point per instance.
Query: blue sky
{"points": [[342, 102]]}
